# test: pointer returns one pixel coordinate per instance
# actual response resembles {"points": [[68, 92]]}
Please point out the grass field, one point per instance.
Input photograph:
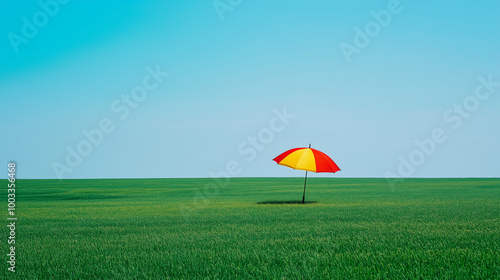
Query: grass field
{"points": [[186, 229]]}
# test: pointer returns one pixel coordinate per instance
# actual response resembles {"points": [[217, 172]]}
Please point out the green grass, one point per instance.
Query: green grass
{"points": [[252, 228]]}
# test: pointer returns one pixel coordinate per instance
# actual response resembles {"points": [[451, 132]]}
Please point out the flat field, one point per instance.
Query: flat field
{"points": [[252, 228]]}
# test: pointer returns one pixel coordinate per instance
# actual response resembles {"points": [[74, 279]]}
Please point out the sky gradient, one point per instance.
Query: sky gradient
{"points": [[199, 88]]}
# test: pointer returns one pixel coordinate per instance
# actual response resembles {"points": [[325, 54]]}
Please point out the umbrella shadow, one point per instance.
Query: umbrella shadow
{"points": [[285, 202]]}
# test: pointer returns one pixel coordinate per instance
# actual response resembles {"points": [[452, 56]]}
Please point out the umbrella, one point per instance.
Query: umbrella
{"points": [[307, 159]]}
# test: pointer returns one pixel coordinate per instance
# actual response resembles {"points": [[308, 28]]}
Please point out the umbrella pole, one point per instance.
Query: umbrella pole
{"points": [[304, 195]]}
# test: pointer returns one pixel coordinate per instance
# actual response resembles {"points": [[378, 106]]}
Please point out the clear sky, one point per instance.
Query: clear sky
{"points": [[85, 91]]}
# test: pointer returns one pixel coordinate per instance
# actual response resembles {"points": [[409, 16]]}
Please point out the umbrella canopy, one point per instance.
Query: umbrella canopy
{"points": [[307, 159]]}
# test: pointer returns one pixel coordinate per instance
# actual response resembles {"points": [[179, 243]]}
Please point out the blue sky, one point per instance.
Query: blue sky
{"points": [[236, 69]]}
